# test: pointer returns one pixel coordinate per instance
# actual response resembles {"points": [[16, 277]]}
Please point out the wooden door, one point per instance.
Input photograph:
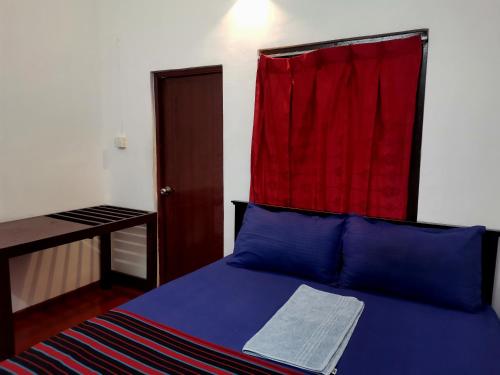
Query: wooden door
{"points": [[189, 165]]}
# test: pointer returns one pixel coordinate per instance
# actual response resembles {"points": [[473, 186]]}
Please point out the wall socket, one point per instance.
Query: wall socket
{"points": [[121, 141]]}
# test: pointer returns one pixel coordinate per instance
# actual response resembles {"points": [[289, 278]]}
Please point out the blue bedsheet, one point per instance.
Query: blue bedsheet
{"points": [[228, 305]]}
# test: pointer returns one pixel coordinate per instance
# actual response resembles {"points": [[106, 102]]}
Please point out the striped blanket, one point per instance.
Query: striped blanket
{"points": [[121, 342]]}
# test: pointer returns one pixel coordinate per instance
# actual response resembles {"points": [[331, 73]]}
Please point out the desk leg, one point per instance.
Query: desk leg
{"points": [[105, 248], [6, 317], [152, 254]]}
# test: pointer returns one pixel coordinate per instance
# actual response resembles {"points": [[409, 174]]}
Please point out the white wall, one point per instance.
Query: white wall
{"points": [[75, 73], [50, 133], [460, 178]]}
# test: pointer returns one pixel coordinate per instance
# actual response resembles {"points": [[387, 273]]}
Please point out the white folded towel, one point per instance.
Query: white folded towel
{"points": [[310, 331]]}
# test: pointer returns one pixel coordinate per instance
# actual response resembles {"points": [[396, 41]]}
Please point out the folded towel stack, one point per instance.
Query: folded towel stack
{"points": [[310, 331]]}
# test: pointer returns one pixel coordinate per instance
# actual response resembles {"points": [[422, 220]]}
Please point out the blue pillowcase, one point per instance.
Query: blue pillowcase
{"points": [[438, 266], [289, 243]]}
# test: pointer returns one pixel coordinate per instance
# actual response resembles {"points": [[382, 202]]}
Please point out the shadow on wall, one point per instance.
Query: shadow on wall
{"points": [[49, 273], [52, 272]]}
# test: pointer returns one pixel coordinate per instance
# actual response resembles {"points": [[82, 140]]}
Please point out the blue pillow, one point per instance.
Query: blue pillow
{"points": [[289, 243], [437, 266]]}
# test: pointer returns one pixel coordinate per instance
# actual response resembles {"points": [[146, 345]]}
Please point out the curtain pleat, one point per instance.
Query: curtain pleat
{"points": [[333, 128]]}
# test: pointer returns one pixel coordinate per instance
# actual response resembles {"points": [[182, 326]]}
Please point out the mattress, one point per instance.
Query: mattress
{"points": [[227, 306]]}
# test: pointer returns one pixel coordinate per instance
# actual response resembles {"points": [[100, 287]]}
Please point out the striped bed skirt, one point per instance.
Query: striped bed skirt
{"points": [[121, 342]]}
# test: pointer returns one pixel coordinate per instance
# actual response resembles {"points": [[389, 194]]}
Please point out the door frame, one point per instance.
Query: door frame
{"points": [[156, 77]]}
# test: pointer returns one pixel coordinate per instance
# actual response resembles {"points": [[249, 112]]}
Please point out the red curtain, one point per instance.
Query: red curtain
{"points": [[333, 128]]}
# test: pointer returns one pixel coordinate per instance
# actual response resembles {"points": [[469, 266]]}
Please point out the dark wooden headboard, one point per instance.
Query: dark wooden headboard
{"points": [[490, 240]]}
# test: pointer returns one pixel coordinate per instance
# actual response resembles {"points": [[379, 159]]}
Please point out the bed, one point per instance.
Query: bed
{"points": [[226, 306]]}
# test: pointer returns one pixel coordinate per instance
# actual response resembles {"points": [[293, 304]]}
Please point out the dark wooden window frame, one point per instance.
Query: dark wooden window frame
{"points": [[414, 178]]}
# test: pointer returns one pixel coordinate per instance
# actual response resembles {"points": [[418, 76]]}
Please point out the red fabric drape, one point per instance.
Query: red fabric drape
{"points": [[333, 128]]}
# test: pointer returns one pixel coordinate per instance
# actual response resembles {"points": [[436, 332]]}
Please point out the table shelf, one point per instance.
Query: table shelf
{"points": [[30, 235]]}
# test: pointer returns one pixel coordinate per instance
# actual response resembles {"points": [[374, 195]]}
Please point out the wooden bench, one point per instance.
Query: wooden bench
{"points": [[30, 235]]}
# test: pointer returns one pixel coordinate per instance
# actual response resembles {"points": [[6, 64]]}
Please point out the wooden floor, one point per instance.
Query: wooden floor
{"points": [[49, 318]]}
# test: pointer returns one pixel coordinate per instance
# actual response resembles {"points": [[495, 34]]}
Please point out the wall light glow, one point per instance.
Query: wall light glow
{"points": [[250, 14]]}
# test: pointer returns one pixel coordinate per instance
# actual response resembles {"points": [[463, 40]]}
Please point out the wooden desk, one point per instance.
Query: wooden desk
{"points": [[38, 233]]}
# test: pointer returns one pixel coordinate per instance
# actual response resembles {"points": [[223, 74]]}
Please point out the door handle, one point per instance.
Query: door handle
{"points": [[166, 190]]}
